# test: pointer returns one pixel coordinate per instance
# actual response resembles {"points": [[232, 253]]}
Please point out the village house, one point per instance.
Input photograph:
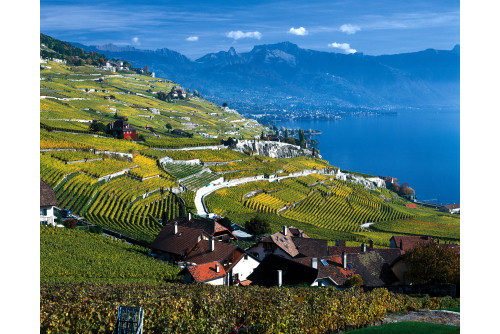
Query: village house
{"points": [[289, 243], [48, 201], [372, 265], [199, 247], [451, 208], [209, 226], [275, 270], [121, 128], [407, 242]]}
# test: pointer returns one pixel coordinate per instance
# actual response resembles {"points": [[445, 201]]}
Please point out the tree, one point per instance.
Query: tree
{"points": [[226, 222], [302, 138], [96, 126], [355, 280], [257, 226], [168, 126], [286, 134], [224, 105], [432, 263]]}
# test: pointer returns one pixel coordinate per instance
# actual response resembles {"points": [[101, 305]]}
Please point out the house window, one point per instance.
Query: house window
{"points": [[43, 211]]}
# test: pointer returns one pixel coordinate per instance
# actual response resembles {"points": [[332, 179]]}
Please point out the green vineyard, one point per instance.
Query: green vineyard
{"points": [[334, 205]]}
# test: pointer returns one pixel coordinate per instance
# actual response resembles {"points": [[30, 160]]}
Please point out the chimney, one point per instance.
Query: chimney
{"points": [[363, 247], [189, 216], [300, 234], [217, 269], [401, 244], [175, 228], [314, 263], [344, 260], [371, 244], [212, 244], [284, 229], [336, 242], [280, 278]]}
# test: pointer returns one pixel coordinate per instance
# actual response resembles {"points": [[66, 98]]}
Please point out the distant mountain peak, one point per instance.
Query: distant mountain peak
{"points": [[115, 48]]}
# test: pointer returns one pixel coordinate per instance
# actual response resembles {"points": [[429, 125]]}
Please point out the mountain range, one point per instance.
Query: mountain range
{"points": [[285, 76]]}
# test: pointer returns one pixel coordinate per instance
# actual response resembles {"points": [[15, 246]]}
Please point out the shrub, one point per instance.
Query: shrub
{"points": [[258, 226]]}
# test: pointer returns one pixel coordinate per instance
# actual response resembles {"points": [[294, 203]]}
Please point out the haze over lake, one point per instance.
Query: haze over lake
{"points": [[421, 148]]}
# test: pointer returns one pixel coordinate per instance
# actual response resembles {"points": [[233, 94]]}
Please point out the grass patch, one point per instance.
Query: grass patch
{"points": [[409, 327]]}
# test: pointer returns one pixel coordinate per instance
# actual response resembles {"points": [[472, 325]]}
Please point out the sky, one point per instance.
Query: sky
{"points": [[195, 28]]}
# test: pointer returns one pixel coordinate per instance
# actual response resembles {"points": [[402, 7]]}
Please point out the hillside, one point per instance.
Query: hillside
{"points": [[285, 76], [179, 160]]}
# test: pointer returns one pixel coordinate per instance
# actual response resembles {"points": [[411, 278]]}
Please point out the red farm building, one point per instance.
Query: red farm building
{"points": [[121, 128]]}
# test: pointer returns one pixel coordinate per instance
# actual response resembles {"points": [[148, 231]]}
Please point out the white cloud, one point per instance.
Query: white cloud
{"points": [[298, 31], [342, 46], [240, 34], [192, 38], [349, 29], [135, 40]]}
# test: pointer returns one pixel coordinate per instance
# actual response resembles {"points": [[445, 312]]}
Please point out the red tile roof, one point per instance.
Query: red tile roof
{"points": [[47, 195], [206, 272], [411, 206]]}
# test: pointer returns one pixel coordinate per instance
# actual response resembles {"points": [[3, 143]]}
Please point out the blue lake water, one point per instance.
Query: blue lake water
{"points": [[421, 148]]}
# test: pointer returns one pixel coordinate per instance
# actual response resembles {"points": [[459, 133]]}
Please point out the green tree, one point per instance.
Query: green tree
{"points": [[96, 126], [302, 138], [258, 226], [354, 280], [226, 222], [432, 263], [224, 105]]}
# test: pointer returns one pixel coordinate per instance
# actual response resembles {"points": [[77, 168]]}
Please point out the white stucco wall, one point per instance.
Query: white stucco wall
{"points": [[245, 267]]}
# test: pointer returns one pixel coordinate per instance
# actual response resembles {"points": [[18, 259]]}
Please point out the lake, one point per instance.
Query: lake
{"points": [[421, 148]]}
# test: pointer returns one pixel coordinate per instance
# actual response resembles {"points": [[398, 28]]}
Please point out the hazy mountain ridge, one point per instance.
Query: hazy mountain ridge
{"points": [[289, 76]]}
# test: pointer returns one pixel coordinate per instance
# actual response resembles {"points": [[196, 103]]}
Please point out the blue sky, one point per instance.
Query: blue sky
{"points": [[195, 28]]}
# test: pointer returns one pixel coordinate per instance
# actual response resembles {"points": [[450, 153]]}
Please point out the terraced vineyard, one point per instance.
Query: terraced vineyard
{"points": [[132, 204], [341, 206], [196, 182], [180, 171], [207, 155]]}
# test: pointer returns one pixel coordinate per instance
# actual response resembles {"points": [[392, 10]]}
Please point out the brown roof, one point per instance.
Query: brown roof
{"points": [[338, 250], [47, 195], [308, 247], [211, 227], [452, 206], [202, 254], [373, 266], [206, 272], [179, 243], [409, 241], [297, 246]]}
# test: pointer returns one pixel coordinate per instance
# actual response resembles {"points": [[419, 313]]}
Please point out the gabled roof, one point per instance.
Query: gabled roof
{"points": [[374, 266], [201, 252], [452, 206], [178, 243], [206, 272], [297, 246], [338, 250], [410, 241], [211, 227], [47, 195], [308, 247], [293, 273]]}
